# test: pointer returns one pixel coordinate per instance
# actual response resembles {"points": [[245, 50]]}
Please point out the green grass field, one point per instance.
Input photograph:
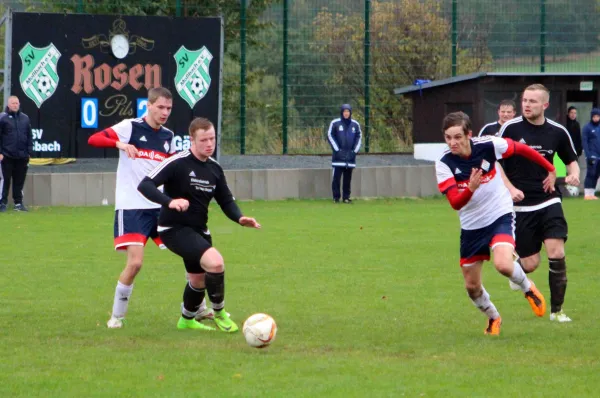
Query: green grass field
{"points": [[368, 298], [589, 63]]}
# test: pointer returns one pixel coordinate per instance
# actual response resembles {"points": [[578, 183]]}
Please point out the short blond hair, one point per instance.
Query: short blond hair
{"points": [[539, 87]]}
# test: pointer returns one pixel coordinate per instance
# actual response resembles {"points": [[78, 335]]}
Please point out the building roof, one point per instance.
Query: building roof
{"points": [[477, 75]]}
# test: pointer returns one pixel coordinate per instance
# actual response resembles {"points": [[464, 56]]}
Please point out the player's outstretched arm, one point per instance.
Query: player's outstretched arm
{"points": [[533, 155], [459, 199], [150, 190], [116, 136], [249, 222], [573, 172], [104, 139]]}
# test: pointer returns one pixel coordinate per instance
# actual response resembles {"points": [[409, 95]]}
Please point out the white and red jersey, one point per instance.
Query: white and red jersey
{"points": [[154, 146], [492, 199]]}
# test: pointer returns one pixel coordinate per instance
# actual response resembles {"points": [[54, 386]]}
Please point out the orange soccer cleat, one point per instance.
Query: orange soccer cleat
{"points": [[536, 300], [493, 328]]}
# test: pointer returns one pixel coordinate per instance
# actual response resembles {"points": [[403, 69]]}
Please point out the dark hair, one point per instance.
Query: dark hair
{"points": [[457, 119], [569, 109], [157, 92], [199, 123], [507, 102]]}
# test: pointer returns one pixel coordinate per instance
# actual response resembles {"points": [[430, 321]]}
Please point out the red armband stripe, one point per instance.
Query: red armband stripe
{"points": [[447, 184]]}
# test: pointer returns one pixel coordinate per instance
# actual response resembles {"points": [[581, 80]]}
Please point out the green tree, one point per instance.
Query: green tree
{"points": [[409, 40], [228, 9]]}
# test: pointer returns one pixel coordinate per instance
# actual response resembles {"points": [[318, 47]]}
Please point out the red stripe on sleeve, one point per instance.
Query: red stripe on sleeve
{"points": [[458, 199], [107, 138], [510, 151], [445, 185], [533, 155]]}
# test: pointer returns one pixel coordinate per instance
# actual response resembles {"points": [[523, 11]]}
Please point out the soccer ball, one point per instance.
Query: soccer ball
{"points": [[259, 330], [572, 190], [44, 84]]}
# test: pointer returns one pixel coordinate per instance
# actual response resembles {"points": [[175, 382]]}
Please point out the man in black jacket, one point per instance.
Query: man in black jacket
{"points": [[344, 136], [16, 144], [574, 129]]}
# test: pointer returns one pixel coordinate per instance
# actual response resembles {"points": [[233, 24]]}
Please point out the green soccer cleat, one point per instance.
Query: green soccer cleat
{"points": [[192, 324], [224, 322]]}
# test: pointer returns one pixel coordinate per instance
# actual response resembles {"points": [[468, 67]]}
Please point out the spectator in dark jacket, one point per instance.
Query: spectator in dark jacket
{"points": [[591, 146], [574, 129], [344, 136], [16, 144]]}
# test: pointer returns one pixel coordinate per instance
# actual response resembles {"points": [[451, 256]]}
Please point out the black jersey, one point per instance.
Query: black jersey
{"points": [[186, 177], [490, 129], [548, 139]]}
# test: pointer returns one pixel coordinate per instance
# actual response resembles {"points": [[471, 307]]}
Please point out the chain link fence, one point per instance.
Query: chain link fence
{"points": [[289, 65]]}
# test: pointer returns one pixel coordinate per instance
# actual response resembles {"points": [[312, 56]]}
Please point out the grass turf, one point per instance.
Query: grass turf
{"points": [[368, 298]]}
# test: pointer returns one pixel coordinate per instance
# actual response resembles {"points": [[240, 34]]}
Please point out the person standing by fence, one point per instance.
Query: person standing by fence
{"points": [[591, 146], [16, 146], [344, 136]]}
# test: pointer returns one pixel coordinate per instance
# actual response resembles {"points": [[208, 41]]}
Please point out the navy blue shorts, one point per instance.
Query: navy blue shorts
{"points": [[475, 244], [134, 227]]}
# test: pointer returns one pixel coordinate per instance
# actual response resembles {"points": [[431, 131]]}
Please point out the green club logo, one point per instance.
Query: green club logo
{"points": [[39, 77], [192, 79]]}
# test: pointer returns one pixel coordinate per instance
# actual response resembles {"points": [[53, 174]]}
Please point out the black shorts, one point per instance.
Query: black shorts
{"points": [[533, 227], [188, 243]]}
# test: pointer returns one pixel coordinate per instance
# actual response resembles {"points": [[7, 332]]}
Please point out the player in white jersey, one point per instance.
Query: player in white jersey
{"points": [[468, 176], [143, 144]]}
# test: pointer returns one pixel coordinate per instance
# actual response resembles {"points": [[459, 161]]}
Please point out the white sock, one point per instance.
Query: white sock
{"points": [[187, 313], [218, 307], [122, 294], [202, 305], [485, 305], [589, 191], [518, 277]]}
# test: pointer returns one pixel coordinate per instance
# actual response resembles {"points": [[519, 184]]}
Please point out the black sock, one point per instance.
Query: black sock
{"points": [[215, 285], [557, 279], [192, 298]]}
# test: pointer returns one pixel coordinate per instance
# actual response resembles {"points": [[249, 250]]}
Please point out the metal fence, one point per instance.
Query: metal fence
{"points": [[289, 65]]}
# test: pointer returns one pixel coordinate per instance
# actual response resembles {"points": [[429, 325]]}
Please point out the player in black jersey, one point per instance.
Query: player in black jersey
{"points": [[540, 217], [507, 109], [191, 180]]}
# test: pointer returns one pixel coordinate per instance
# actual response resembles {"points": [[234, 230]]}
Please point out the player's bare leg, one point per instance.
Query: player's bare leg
{"points": [[480, 297], [506, 264], [557, 278], [135, 257]]}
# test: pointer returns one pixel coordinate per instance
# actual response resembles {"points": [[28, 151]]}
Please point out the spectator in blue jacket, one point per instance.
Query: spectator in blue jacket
{"points": [[16, 144], [345, 137], [590, 137]]}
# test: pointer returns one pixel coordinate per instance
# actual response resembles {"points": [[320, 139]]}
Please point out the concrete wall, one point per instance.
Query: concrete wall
{"points": [[90, 189]]}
